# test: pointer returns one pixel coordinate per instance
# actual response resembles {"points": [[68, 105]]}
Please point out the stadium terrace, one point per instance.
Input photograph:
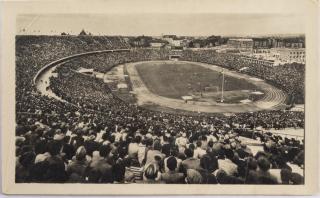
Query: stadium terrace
{"points": [[88, 133]]}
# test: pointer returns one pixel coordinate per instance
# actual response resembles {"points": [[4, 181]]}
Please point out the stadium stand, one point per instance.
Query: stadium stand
{"points": [[98, 138]]}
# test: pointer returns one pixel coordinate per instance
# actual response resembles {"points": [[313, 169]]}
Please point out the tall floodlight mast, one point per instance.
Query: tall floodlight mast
{"points": [[222, 86]]}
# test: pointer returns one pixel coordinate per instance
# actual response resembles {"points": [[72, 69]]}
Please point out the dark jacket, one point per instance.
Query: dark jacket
{"points": [[100, 172]]}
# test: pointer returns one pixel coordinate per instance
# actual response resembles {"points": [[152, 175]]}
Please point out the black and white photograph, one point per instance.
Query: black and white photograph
{"points": [[160, 98]]}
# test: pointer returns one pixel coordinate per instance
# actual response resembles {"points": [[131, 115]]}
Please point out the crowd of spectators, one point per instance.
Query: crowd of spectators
{"points": [[33, 52], [289, 77], [97, 138]]}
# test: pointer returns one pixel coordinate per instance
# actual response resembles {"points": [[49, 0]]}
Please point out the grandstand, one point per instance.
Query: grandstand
{"points": [[83, 132]]}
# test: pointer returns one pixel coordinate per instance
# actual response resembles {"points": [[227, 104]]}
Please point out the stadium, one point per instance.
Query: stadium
{"points": [[94, 109]]}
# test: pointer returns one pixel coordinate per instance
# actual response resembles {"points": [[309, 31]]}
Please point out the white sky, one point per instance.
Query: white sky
{"points": [[155, 24]]}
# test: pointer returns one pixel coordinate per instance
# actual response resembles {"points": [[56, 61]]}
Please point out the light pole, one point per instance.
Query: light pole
{"points": [[222, 86]]}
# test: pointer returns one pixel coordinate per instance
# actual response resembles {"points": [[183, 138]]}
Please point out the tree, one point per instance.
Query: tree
{"points": [[82, 33]]}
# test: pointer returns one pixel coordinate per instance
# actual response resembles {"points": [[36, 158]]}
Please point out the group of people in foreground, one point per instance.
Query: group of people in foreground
{"points": [[94, 137]]}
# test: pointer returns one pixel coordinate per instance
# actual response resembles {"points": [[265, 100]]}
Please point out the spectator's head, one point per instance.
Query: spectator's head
{"points": [[243, 145], [59, 136], [127, 162], [199, 143], [241, 153], [285, 176], [165, 138], [296, 178], [205, 162], [104, 151], [229, 154], [252, 163], [54, 148], [188, 152], [191, 146], [27, 159], [20, 140], [122, 152], [81, 153], [221, 176], [40, 147], [157, 159], [149, 142], [112, 138], [281, 161], [137, 139], [157, 146], [105, 136], [135, 162], [171, 163], [193, 177], [260, 154], [221, 154], [204, 138], [210, 144], [130, 139], [143, 141], [263, 163], [151, 172]]}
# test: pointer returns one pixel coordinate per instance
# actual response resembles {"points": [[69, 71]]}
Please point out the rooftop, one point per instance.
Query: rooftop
{"points": [[240, 39]]}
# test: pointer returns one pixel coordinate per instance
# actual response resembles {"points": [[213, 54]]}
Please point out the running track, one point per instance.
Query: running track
{"points": [[273, 99]]}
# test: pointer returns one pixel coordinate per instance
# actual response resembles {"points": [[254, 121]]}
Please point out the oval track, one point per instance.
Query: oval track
{"points": [[273, 100]]}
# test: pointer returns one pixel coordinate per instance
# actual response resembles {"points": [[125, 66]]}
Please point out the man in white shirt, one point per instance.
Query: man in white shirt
{"points": [[133, 147], [199, 152], [182, 142], [142, 151], [227, 165]]}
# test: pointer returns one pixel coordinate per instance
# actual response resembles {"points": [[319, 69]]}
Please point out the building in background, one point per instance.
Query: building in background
{"points": [[279, 50], [289, 55], [157, 44], [169, 38], [176, 42], [240, 43], [294, 42]]}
